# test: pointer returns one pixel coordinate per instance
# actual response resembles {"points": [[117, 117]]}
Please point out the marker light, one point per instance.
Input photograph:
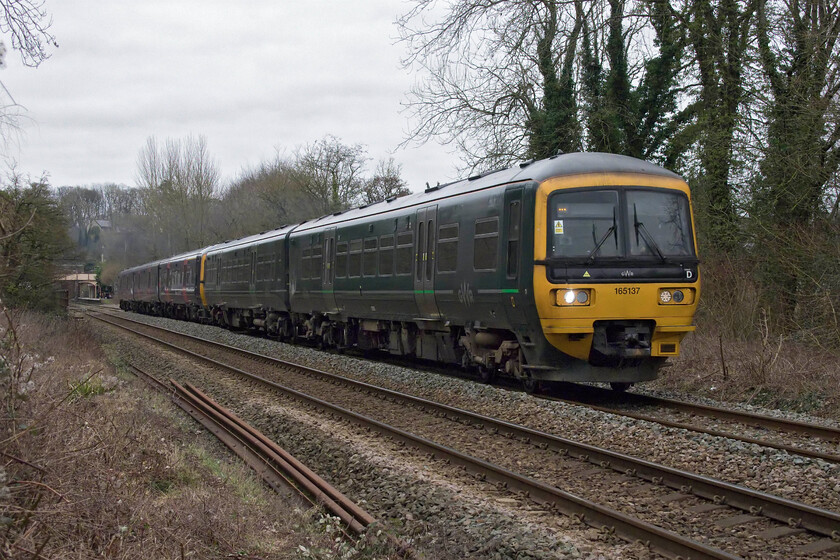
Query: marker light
{"points": [[676, 296], [569, 297], [582, 297]]}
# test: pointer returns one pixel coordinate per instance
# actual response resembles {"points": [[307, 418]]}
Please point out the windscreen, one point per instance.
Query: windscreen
{"points": [[664, 217], [619, 223], [581, 220]]}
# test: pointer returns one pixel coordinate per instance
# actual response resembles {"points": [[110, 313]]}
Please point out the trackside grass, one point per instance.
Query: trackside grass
{"points": [[92, 464]]}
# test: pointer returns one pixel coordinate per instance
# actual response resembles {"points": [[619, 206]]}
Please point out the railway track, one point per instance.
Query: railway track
{"points": [[280, 470], [730, 513], [748, 427], [797, 438]]}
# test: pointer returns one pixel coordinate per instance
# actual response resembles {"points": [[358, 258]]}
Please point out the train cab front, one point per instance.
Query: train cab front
{"points": [[617, 281]]}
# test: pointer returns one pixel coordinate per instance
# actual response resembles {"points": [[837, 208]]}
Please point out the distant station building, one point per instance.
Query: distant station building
{"points": [[81, 287]]}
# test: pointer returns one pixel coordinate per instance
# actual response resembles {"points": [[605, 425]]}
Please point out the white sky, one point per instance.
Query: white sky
{"points": [[250, 76]]}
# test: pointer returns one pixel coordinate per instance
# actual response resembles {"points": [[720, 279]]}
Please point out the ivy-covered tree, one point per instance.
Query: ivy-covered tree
{"points": [[719, 33], [631, 106], [800, 59]]}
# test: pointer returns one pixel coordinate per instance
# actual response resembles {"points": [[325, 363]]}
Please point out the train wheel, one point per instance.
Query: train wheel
{"points": [[531, 385], [620, 386], [486, 374]]}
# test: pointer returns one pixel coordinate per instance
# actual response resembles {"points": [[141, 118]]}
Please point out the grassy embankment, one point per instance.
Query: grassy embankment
{"points": [[93, 464]]}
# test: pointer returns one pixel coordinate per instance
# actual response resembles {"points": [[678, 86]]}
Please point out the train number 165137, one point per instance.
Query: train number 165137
{"points": [[627, 291]]}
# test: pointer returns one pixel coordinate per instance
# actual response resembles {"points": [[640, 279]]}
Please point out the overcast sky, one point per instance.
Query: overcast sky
{"points": [[251, 76]]}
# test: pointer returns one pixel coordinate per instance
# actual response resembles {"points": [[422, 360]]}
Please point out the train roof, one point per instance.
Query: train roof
{"points": [[175, 258], [261, 237], [578, 163]]}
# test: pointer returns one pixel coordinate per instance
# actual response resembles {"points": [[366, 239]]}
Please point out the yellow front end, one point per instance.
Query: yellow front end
{"points": [[569, 311], [570, 327]]}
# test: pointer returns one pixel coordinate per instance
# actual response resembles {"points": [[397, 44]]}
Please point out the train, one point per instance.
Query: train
{"points": [[581, 267]]}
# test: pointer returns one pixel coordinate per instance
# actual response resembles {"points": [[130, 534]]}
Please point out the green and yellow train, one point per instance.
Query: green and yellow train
{"points": [[580, 267]]}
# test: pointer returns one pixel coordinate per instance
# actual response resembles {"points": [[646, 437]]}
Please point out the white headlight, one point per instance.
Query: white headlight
{"points": [[665, 296], [569, 297]]}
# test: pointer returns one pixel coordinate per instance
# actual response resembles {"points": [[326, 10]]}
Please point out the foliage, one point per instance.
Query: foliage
{"points": [[32, 236]]}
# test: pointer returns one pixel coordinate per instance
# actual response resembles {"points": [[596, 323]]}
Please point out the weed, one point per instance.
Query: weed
{"points": [[88, 387]]}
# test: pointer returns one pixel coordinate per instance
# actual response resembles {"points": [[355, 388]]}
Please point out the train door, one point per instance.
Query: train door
{"points": [[252, 284], [328, 270], [424, 261], [511, 287]]}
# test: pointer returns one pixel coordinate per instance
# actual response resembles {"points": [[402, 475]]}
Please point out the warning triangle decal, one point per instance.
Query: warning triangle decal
{"points": [[586, 274]]}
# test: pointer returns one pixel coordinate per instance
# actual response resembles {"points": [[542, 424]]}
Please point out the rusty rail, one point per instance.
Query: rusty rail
{"points": [[275, 465]]}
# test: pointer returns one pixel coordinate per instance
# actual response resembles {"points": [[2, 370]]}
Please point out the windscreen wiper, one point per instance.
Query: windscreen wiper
{"points": [[612, 229], [646, 236]]}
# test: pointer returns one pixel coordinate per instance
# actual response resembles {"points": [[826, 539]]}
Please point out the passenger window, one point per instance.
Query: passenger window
{"points": [[355, 261], [405, 250], [386, 255], [485, 247], [447, 251], [369, 260], [341, 259]]}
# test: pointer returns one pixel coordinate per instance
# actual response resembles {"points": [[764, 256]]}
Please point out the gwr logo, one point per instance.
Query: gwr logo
{"points": [[465, 294]]}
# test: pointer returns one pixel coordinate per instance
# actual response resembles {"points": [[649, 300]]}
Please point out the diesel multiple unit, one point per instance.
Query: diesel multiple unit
{"points": [[580, 267]]}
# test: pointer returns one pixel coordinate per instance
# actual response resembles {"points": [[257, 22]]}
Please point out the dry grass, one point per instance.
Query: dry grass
{"points": [[94, 465], [740, 353]]}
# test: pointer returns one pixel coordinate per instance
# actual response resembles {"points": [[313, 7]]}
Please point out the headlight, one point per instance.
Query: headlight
{"points": [[665, 296], [567, 297]]}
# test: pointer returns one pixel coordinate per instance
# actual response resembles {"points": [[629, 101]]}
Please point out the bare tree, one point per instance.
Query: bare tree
{"points": [[498, 78], [81, 205], [331, 172], [180, 182], [385, 183], [264, 198], [119, 200], [28, 24]]}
